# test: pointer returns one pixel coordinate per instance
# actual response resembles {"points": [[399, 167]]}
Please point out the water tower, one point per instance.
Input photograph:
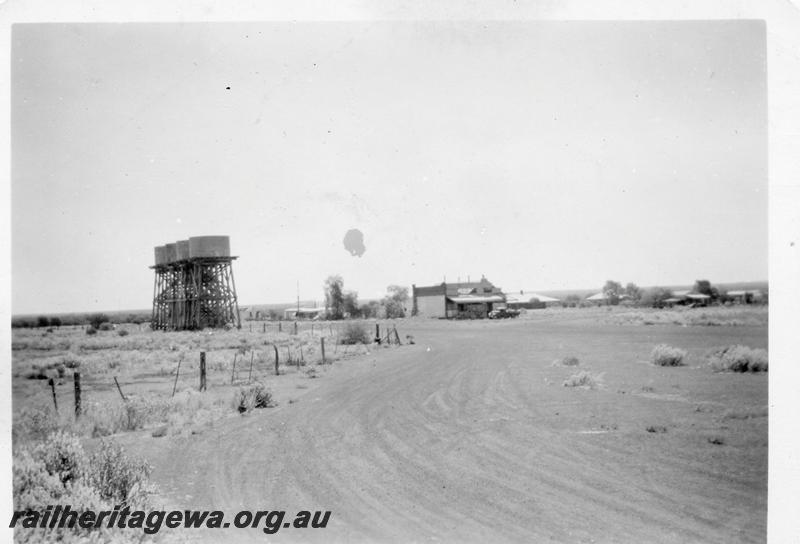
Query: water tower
{"points": [[194, 286]]}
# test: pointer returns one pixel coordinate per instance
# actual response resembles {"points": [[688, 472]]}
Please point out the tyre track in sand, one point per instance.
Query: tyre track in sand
{"points": [[459, 444]]}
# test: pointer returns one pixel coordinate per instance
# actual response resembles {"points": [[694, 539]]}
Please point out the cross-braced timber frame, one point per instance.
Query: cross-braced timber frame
{"points": [[194, 294]]}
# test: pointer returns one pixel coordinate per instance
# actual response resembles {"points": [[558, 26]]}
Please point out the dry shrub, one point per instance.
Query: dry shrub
{"points": [[582, 379], [746, 413], [118, 478], [566, 361], [34, 423], [738, 359], [664, 355], [355, 333], [71, 361], [58, 470], [656, 429], [255, 395]]}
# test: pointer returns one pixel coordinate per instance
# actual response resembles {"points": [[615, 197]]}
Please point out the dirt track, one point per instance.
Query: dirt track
{"points": [[469, 436]]}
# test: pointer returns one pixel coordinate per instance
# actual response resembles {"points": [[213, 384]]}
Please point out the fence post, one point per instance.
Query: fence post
{"points": [[280, 326], [250, 374], [77, 379], [295, 327], [265, 327], [120, 390], [202, 371], [377, 333], [51, 382], [277, 372], [177, 373], [397, 336], [233, 370], [322, 345]]}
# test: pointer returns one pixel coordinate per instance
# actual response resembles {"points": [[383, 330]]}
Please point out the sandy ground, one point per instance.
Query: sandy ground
{"points": [[469, 436]]}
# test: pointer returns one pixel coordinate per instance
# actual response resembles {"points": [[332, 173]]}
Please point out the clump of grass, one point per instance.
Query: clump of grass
{"points": [[355, 333], [91, 331], [664, 355], [123, 332], [566, 361], [738, 359], [254, 395], [656, 429], [53, 369], [746, 413], [582, 379], [71, 362]]}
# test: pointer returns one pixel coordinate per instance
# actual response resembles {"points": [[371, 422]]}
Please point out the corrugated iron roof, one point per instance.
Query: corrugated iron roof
{"points": [[475, 299], [527, 296]]}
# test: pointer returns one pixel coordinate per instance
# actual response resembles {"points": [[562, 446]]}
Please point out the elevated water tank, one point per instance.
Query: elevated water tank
{"points": [[172, 253], [209, 246], [182, 248], [161, 255]]}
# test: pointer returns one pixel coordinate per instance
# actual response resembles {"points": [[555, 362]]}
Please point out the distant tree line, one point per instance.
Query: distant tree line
{"points": [[655, 296], [342, 304], [67, 320]]}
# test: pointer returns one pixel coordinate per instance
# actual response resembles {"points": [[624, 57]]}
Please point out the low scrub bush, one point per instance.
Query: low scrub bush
{"points": [[91, 330], [34, 423], [118, 478], [664, 355], [746, 413], [71, 362], [355, 333], [738, 359], [567, 361], [58, 470], [53, 369], [123, 332], [106, 326], [254, 395], [582, 379]]}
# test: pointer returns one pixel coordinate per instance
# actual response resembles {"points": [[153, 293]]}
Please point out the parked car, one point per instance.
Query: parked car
{"points": [[503, 313]]}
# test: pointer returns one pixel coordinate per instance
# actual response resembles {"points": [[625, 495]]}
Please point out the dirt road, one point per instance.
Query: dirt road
{"points": [[469, 436]]}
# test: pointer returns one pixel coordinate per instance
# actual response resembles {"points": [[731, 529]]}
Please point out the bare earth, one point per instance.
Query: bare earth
{"points": [[470, 436]]}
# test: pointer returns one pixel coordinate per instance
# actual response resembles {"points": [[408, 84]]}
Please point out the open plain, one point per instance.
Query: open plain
{"points": [[471, 435]]}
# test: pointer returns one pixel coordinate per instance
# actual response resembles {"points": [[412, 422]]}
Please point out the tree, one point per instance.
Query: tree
{"points": [[95, 320], [571, 301], [371, 310], [395, 301], [55, 321], [655, 297], [42, 321], [633, 291], [350, 304], [612, 290], [334, 297], [703, 287]]}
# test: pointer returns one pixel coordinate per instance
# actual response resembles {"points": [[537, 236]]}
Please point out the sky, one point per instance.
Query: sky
{"points": [[543, 155]]}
